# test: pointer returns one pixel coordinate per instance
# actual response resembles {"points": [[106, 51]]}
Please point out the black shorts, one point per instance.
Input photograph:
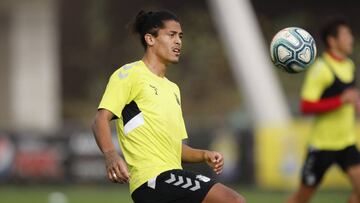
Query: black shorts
{"points": [[175, 186], [318, 161]]}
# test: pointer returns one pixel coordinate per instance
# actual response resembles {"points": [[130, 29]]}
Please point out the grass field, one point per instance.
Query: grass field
{"points": [[112, 194]]}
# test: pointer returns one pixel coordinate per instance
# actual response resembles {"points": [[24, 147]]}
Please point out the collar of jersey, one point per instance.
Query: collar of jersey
{"points": [[334, 57], [151, 73]]}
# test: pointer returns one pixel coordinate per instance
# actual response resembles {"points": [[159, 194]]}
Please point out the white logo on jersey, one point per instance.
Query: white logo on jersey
{"points": [[123, 75], [125, 67]]}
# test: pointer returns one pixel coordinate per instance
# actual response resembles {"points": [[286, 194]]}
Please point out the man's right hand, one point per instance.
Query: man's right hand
{"points": [[116, 168], [350, 96]]}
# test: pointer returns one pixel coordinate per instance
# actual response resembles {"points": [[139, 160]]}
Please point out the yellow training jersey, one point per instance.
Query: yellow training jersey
{"points": [[333, 130], [150, 124]]}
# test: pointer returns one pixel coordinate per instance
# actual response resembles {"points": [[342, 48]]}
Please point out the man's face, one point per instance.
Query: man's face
{"points": [[344, 40], [167, 44]]}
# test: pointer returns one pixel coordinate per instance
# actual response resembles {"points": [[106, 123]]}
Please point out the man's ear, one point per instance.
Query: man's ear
{"points": [[149, 39]]}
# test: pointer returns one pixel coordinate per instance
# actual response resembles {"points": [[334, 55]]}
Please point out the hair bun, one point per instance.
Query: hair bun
{"points": [[139, 21]]}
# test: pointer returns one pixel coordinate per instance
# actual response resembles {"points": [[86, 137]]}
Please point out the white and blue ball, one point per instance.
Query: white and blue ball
{"points": [[293, 50]]}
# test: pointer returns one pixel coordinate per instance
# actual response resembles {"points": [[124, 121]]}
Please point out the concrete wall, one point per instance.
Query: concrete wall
{"points": [[30, 76]]}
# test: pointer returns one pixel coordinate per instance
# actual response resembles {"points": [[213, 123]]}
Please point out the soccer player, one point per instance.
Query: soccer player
{"points": [[329, 93], [146, 107]]}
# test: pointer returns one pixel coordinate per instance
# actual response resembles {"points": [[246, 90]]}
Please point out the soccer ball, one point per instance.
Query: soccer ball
{"points": [[293, 50]]}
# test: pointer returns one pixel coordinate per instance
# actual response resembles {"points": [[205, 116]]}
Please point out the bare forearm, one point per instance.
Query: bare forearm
{"points": [[115, 166], [192, 155], [102, 132]]}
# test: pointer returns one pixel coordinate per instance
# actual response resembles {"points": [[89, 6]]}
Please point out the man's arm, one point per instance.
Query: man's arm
{"points": [[214, 159], [321, 106], [115, 166], [350, 95]]}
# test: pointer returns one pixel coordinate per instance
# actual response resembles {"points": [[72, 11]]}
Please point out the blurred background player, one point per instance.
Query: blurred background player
{"points": [[147, 110], [329, 93]]}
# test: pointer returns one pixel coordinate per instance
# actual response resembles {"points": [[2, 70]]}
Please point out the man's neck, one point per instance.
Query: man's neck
{"points": [[154, 65], [337, 55]]}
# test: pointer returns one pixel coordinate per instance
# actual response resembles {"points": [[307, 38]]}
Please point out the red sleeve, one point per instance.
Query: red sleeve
{"points": [[321, 106]]}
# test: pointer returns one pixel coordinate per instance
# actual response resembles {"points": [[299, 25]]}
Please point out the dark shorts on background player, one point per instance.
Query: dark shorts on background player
{"points": [[318, 161], [175, 186]]}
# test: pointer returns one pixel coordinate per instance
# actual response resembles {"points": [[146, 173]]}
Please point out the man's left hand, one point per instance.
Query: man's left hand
{"points": [[215, 160]]}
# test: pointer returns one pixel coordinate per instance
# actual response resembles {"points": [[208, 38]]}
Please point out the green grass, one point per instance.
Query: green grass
{"points": [[119, 194]]}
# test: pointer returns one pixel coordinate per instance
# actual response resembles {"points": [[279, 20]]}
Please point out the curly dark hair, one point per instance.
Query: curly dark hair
{"points": [[150, 22]]}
